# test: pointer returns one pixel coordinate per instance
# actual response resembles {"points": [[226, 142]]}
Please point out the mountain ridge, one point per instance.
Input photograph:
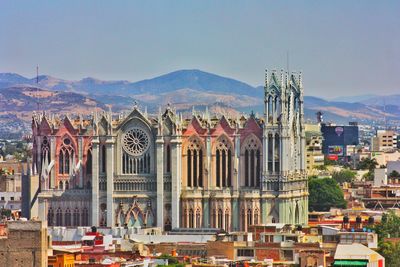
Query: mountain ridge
{"points": [[183, 89]]}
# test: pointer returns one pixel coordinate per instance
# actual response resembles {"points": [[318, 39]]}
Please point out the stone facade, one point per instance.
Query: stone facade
{"points": [[25, 244], [138, 170]]}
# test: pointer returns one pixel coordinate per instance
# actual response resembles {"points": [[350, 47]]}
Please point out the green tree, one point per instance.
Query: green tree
{"points": [[394, 174], [391, 253], [324, 194], [367, 164], [389, 227], [344, 176]]}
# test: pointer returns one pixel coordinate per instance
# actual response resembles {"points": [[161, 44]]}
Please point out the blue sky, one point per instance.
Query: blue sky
{"points": [[342, 47]]}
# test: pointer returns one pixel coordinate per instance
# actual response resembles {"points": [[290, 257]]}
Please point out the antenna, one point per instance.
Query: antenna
{"points": [[384, 110], [37, 88]]}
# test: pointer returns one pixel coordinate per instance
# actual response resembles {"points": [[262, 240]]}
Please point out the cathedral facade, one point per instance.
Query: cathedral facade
{"points": [[136, 170]]}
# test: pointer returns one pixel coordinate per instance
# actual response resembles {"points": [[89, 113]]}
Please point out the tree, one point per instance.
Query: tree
{"points": [[367, 164], [394, 174], [370, 165], [389, 228], [344, 176], [325, 193]]}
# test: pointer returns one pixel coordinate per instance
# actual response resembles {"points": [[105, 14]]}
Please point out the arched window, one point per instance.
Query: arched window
{"points": [[68, 217], [89, 162], [168, 159], [45, 157], [77, 216], [136, 156], [249, 217], [185, 218], [66, 157], [256, 217], [85, 217], [191, 218], [252, 161], [223, 163], [59, 217], [66, 185], [103, 159], [61, 185], [220, 216], [50, 217], [277, 152], [194, 159], [297, 214]]}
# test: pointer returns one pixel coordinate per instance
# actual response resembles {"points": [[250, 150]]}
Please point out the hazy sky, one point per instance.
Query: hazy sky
{"points": [[342, 47]]}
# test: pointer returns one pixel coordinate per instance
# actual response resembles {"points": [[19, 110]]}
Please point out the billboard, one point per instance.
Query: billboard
{"points": [[335, 150]]}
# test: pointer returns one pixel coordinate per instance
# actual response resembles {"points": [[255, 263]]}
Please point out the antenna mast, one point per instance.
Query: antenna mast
{"points": [[37, 88]]}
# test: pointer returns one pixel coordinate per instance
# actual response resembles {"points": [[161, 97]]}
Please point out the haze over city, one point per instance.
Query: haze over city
{"points": [[342, 47]]}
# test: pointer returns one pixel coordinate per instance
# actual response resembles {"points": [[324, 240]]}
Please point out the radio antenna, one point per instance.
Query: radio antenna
{"points": [[37, 88]]}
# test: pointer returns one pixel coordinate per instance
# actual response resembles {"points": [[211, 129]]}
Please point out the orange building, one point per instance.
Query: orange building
{"points": [[61, 260]]}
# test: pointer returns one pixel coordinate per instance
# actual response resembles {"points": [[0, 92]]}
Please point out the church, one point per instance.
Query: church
{"points": [[137, 170]]}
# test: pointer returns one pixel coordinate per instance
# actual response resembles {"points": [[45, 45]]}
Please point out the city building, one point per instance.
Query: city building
{"points": [[314, 156], [356, 254], [10, 191], [337, 138], [24, 243], [384, 140], [136, 170]]}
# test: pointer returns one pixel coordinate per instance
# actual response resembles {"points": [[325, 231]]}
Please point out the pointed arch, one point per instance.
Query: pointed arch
{"points": [[59, 217], [251, 161], [68, 217], [50, 217], [297, 213], [194, 148], [77, 216], [223, 161]]}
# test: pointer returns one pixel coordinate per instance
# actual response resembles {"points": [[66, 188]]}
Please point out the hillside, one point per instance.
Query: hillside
{"points": [[183, 89]]}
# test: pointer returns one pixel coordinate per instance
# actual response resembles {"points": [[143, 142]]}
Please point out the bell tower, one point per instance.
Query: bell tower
{"points": [[284, 185]]}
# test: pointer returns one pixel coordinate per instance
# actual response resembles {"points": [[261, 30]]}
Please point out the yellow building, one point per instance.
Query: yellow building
{"points": [[61, 260], [314, 156]]}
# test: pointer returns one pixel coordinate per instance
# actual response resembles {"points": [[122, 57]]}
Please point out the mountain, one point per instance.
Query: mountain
{"points": [[19, 102], [352, 99], [194, 79], [183, 89]]}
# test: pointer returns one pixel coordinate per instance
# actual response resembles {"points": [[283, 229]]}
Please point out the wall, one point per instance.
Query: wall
{"points": [[25, 245]]}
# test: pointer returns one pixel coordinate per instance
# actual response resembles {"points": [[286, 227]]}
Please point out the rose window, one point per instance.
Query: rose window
{"points": [[135, 142]]}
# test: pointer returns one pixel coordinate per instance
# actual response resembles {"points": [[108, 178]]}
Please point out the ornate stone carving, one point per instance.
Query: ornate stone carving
{"points": [[135, 142]]}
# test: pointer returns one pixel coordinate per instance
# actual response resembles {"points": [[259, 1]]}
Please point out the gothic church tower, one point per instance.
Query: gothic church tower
{"points": [[285, 186]]}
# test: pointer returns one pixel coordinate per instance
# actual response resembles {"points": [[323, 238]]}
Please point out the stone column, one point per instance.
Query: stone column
{"points": [[206, 211], [43, 210], [176, 171], [95, 182], [236, 164], [110, 182], [235, 223], [160, 180], [209, 163]]}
